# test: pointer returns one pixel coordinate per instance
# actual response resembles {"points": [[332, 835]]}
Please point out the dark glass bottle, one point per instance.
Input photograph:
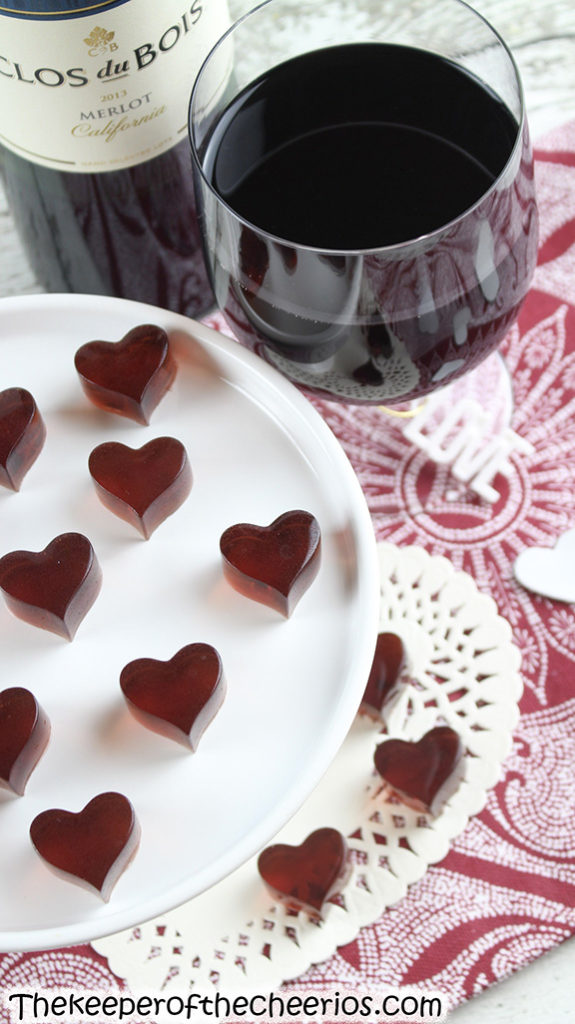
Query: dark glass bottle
{"points": [[93, 144]]}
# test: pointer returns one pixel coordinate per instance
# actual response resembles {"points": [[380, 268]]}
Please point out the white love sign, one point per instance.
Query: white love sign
{"points": [[460, 435]]}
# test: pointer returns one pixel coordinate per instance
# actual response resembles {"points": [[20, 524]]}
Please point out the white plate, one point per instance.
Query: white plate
{"points": [[257, 448]]}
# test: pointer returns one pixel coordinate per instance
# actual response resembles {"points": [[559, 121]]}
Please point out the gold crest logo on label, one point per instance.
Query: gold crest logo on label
{"points": [[100, 41]]}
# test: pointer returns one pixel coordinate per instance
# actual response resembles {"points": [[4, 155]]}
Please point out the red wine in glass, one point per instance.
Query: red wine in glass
{"points": [[368, 208]]}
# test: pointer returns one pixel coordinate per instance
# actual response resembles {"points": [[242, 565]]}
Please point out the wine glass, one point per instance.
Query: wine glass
{"points": [[366, 194]]}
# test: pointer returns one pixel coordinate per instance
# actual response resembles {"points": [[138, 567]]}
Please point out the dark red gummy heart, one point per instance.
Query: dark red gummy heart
{"points": [[304, 877], [273, 564], [93, 847], [22, 435], [388, 664], [176, 698], [145, 485], [423, 774], [24, 735], [54, 588], [129, 377]]}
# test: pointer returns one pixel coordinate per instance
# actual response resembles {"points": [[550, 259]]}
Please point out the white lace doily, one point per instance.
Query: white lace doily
{"points": [[464, 671]]}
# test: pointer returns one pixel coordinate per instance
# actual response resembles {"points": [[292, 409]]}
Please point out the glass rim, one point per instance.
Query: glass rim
{"points": [[417, 241]]}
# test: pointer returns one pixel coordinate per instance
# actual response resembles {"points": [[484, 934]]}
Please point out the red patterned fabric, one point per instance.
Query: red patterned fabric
{"points": [[506, 891]]}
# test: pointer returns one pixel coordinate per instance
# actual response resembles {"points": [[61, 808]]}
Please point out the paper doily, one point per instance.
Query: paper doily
{"points": [[464, 671]]}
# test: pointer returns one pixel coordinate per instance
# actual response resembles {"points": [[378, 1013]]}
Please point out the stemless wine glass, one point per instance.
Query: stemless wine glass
{"points": [[365, 183]]}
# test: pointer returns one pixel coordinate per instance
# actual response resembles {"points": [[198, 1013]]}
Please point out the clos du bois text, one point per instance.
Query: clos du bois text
{"points": [[116, 67]]}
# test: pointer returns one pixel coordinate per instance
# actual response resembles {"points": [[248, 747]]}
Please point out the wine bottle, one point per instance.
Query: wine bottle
{"points": [[94, 150]]}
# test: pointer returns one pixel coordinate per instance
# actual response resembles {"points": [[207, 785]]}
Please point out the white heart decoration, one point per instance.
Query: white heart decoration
{"points": [[549, 571]]}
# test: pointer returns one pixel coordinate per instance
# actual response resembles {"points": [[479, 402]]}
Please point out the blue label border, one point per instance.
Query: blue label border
{"points": [[65, 8]]}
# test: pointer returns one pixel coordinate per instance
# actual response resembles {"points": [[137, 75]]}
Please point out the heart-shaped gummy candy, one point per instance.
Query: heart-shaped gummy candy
{"points": [[387, 666], [273, 564], [92, 847], [304, 877], [54, 588], [129, 377], [145, 485], [423, 774], [176, 698], [24, 735], [22, 435]]}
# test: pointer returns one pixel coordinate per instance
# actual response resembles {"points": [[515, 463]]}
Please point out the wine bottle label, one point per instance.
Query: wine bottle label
{"points": [[94, 86]]}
